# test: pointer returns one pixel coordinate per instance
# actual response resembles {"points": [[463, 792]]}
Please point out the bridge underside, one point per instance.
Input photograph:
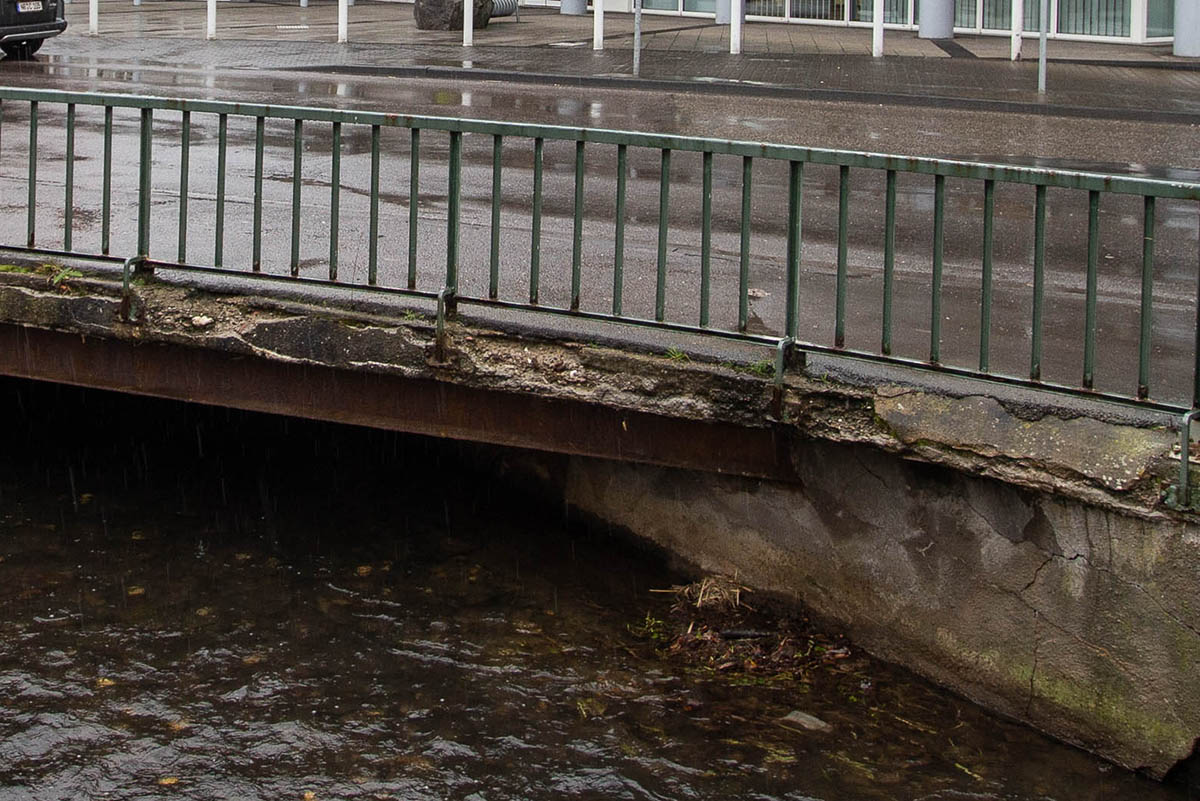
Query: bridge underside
{"points": [[410, 405]]}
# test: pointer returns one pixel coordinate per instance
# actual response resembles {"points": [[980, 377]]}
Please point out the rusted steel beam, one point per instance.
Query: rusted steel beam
{"points": [[411, 405]]}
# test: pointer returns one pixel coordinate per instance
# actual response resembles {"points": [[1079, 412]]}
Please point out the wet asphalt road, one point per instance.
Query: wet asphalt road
{"points": [[1104, 145]]}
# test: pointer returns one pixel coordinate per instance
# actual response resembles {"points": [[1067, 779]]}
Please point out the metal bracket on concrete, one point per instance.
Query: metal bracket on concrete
{"points": [[785, 356], [131, 309], [1180, 496], [446, 307]]}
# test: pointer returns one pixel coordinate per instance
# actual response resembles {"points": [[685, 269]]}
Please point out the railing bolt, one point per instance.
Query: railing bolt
{"points": [[131, 308]]}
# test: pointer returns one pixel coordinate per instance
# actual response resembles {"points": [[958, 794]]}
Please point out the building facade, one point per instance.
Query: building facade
{"points": [[1125, 21]]}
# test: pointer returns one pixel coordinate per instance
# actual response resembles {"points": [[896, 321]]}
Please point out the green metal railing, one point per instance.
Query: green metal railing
{"points": [[332, 125]]}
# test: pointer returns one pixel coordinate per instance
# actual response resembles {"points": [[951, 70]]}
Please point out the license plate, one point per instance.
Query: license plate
{"points": [[33, 5]]}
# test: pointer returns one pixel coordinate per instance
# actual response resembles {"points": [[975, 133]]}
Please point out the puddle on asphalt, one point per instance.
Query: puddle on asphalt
{"points": [[214, 604]]}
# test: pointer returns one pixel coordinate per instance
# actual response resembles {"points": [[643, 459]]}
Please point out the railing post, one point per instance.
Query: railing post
{"points": [[453, 218], [468, 7], [210, 30], [343, 21], [93, 17], [147, 132]]}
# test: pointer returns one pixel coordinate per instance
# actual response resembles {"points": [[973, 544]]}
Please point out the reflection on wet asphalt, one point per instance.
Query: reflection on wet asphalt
{"points": [[210, 604]]}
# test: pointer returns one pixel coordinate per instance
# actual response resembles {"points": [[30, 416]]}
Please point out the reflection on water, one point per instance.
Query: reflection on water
{"points": [[210, 604]]}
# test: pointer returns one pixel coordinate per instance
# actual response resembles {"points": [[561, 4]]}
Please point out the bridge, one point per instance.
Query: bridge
{"points": [[937, 400]]}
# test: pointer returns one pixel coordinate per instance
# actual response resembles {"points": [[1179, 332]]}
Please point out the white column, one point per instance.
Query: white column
{"points": [[1018, 27], [1043, 32], [93, 17], [737, 13], [877, 29], [1187, 28], [468, 23], [210, 16], [597, 24], [937, 19], [343, 21]]}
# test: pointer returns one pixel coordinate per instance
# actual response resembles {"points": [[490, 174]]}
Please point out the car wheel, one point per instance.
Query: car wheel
{"points": [[21, 50]]}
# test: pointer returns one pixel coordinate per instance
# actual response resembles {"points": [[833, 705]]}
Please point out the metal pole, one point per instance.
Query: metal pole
{"points": [[93, 17], [736, 15], [877, 30], [1018, 26], [468, 7], [343, 21], [597, 24], [637, 38], [1043, 30], [210, 30]]}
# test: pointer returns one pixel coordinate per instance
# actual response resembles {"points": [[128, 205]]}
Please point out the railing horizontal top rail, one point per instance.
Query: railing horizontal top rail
{"points": [[1035, 176]]}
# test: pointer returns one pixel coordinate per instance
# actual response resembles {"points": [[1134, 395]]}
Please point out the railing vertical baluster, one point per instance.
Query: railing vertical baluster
{"points": [[335, 198], [839, 326], [577, 235], [1093, 268], [1196, 342], [664, 196], [144, 175], [744, 248], [1039, 282], [795, 245], [454, 209], [69, 191], [706, 239], [939, 229], [222, 148], [985, 306], [31, 208], [619, 233], [259, 135], [185, 149], [373, 246], [414, 203], [297, 166], [535, 245], [889, 261], [494, 261], [1147, 315], [106, 189]]}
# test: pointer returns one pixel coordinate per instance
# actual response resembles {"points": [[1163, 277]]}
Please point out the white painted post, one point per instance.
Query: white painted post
{"points": [[877, 30], [343, 21], [468, 7], [304, 3], [93, 17], [1043, 32], [736, 13], [210, 27], [637, 38], [1018, 27], [597, 24]]}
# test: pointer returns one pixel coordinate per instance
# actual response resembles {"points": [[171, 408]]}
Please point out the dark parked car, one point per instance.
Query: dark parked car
{"points": [[25, 24]]}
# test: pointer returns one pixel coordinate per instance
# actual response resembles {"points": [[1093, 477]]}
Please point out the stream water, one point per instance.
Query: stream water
{"points": [[211, 604]]}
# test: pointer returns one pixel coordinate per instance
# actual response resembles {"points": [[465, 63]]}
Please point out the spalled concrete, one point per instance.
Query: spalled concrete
{"points": [[1022, 557]]}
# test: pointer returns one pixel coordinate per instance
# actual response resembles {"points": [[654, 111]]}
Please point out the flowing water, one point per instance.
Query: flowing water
{"points": [[199, 603]]}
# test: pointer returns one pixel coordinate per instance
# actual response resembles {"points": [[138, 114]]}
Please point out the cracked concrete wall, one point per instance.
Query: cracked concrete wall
{"points": [[1081, 621]]}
